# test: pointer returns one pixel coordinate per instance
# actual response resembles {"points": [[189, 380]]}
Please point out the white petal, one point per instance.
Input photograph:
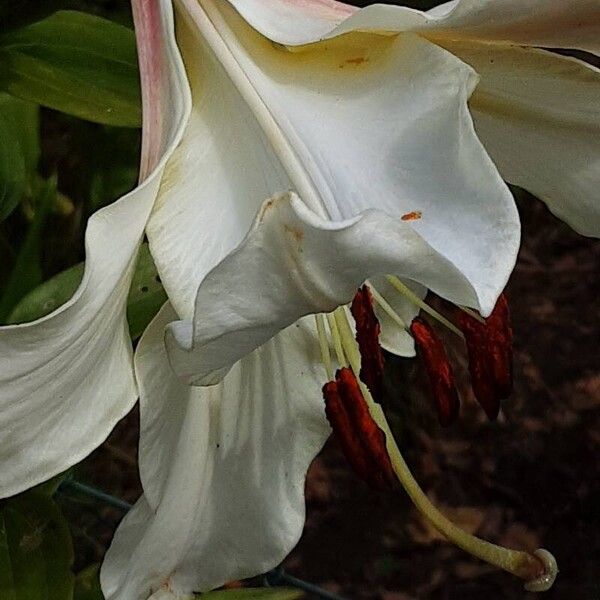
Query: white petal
{"points": [[213, 185], [66, 379], [224, 480], [299, 22], [571, 24], [538, 115], [294, 263], [359, 123], [294, 21]]}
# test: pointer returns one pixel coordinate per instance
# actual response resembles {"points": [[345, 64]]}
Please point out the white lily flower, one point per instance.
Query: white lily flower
{"points": [[371, 134], [364, 150]]}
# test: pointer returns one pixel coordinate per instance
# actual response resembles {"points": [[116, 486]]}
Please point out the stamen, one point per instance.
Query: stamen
{"points": [[339, 420], [500, 339], [535, 569], [337, 342], [472, 313], [367, 336], [324, 345], [439, 371], [479, 366], [489, 345], [347, 339], [406, 291], [388, 309], [361, 439]]}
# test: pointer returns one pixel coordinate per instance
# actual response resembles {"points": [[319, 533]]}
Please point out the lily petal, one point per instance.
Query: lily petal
{"points": [[294, 263], [215, 181], [573, 24], [66, 379], [294, 22], [350, 125], [538, 115], [223, 468]]}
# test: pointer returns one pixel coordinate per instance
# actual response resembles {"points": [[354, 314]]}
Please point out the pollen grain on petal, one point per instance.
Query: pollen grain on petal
{"points": [[362, 441], [415, 215], [439, 370], [368, 330], [355, 61]]}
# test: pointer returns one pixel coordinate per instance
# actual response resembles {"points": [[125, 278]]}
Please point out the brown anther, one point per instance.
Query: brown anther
{"points": [[367, 336], [361, 439], [489, 346], [439, 371], [500, 339]]}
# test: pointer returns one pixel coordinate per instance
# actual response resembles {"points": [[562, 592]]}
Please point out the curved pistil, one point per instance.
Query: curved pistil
{"points": [[347, 397]]}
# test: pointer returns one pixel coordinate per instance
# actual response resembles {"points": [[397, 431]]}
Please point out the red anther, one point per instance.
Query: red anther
{"points": [[337, 416], [500, 339], [480, 364], [367, 336], [439, 371], [362, 441]]}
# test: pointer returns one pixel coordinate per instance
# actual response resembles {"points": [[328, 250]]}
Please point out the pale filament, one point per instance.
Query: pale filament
{"points": [[410, 295]]}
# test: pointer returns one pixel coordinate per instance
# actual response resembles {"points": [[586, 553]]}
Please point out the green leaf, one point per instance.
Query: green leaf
{"points": [[77, 63], [19, 149], [36, 551], [279, 593], [146, 296], [49, 488], [87, 584], [27, 271], [47, 297], [25, 119], [114, 164]]}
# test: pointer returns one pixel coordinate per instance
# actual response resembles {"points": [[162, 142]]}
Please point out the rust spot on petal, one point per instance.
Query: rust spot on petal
{"points": [[362, 441], [439, 371], [359, 60], [295, 232], [367, 336], [415, 215]]}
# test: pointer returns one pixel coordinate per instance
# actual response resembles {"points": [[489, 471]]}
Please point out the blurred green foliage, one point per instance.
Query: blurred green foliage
{"points": [[36, 552], [70, 112], [77, 63], [57, 168]]}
